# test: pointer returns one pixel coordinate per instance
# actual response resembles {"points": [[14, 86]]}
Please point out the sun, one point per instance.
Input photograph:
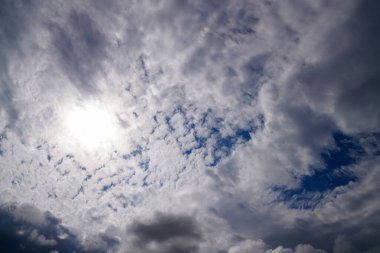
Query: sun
{"points": [[91, 126]]}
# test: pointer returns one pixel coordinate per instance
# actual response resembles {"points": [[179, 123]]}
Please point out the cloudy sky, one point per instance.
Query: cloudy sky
{"points": [[176, 126]]}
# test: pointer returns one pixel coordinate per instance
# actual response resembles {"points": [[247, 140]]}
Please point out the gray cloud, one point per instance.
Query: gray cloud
{"points": [[167, 233], [81, 49], [220, 103], [349, 71], [25, 229], [14, 18]]}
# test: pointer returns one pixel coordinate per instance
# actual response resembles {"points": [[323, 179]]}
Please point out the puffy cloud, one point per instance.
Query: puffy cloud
{"points": [[258, 246], [166, 233], [234, 121], [41, 239], [24, 233]]}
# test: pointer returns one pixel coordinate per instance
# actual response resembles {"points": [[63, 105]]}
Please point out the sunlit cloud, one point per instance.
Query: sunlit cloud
{"points": [[189, 126]]}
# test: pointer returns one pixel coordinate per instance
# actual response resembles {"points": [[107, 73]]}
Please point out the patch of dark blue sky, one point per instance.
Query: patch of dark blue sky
{"points": [[335, 173]]}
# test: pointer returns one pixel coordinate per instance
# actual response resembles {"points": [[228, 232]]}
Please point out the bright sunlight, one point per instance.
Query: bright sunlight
{"points": [[91, 126]]}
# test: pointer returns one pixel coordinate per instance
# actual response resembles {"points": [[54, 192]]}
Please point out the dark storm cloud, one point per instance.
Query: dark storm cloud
{"points": [[25, 229], [81, 49], [170, 233]]}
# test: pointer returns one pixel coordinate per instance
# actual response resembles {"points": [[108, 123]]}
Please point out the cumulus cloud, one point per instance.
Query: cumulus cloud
{"points": [[259, 246], [25, 233], [166, 233], [242, 126], [41, 239]]}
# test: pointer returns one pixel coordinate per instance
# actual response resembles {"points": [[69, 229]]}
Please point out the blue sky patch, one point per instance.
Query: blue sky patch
{"points": [[225, 145], [346, 152]]}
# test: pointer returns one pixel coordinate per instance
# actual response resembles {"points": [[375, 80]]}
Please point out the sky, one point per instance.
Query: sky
{"points": [[179, 126]]}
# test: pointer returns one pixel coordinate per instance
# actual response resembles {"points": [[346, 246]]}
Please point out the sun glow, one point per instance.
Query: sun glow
{"points": [[91, 126]]}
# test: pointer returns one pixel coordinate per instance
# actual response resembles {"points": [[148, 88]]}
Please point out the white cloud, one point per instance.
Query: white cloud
{"points": [[182, 78], [258, 246], [41, 239], [249, 246]]}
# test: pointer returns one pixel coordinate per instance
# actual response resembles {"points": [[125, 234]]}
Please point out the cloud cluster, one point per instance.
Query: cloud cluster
{"points": [[25, 229], [260, 247], [245, 126], [166, 233]]}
